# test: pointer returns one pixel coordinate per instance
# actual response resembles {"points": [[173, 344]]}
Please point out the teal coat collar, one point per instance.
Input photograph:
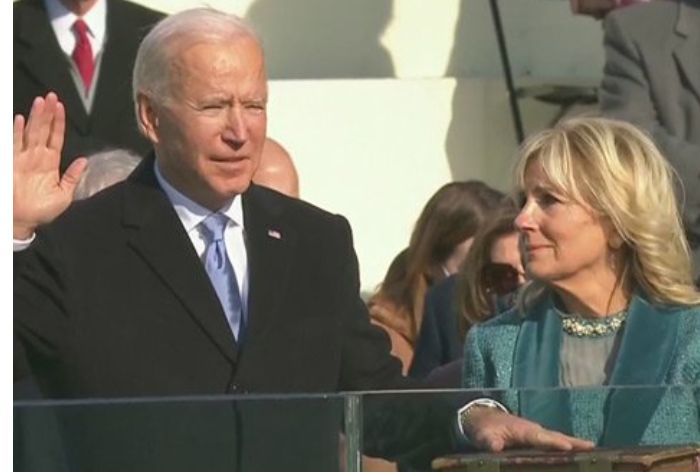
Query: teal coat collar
{"points": [[646, 351]]}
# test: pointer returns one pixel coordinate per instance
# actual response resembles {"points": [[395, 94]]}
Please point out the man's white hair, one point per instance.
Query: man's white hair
{"points": [[152, 68]]}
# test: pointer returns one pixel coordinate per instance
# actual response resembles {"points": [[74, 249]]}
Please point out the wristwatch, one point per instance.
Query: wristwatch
{"points": [[464, 412]]}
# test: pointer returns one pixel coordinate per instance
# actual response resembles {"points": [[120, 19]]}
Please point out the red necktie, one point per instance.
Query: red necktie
{"points": [[82, 54]]}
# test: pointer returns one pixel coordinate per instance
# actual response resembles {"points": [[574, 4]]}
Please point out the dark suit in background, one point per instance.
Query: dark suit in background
{"points": [[40, 65], [652, 79], [438, 340]]}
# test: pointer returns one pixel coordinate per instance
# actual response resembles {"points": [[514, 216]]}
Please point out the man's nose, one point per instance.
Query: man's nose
{"points": [[236, 131]]}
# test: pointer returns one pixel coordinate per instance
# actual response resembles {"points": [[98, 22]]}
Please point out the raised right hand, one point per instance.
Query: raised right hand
{"points": [[39, 192]]}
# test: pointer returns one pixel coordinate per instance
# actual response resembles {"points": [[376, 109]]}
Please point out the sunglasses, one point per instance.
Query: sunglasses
{"points": [[499, 279]]}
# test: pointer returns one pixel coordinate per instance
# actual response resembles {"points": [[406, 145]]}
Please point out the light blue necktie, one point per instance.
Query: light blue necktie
{"points": [[221, 272]]}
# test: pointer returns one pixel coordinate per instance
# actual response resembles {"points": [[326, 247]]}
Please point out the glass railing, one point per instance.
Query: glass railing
{"points": [[331, 432]]}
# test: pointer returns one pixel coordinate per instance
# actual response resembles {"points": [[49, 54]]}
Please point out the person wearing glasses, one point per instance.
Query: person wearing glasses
{"points": [[440, 241], [485, 286], [610, 300]]}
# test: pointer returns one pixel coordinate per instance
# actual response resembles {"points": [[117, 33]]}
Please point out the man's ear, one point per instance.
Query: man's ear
{"points": [[148, 117]]}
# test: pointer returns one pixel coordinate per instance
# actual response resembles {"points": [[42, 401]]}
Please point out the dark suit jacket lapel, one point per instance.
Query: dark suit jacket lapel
{"points": [[270, 246], [646, 351], [687, 51], [158, 236], [45, 60], [536, 369]]}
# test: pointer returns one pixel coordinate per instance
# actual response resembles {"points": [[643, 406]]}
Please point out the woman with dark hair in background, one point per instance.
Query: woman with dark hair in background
{"points": [[440, 240], [485, 286]]}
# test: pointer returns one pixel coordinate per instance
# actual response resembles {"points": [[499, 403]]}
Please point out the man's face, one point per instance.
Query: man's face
{"points": [[209, 133]]}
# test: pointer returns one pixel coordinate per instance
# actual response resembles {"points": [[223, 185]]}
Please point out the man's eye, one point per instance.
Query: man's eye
{"points": [[212, 106]]}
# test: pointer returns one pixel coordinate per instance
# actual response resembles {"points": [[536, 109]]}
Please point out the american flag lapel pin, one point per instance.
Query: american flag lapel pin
{"points": [[273, 233]]}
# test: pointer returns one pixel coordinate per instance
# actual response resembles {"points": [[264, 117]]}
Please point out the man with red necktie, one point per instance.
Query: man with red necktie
{"points": [[84, 51]]}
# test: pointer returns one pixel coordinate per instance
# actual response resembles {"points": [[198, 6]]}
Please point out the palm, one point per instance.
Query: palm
{"points": [[40, 193]]}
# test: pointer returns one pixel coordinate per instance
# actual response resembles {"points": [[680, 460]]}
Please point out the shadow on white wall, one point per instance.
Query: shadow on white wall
{"points": [[321, 39]]}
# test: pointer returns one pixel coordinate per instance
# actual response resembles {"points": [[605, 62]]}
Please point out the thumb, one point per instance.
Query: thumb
{"points": [[72, 175]]}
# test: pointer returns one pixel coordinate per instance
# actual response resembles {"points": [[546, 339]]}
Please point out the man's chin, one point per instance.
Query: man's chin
{"points": [[232, 189]]}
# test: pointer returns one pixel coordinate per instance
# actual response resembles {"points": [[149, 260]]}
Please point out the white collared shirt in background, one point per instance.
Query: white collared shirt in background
{"points": [[62, 21]]}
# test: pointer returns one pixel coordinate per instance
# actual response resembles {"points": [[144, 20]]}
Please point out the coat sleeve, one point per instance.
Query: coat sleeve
{"points": [[366, 360], [412, 427], [40, 309]]}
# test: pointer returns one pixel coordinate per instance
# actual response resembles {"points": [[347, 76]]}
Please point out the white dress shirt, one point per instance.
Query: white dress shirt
{"points": [[191, 214], [62, 20]]}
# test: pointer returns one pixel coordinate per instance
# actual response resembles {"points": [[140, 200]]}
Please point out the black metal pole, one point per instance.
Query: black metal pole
{"points": [[512, 96]]}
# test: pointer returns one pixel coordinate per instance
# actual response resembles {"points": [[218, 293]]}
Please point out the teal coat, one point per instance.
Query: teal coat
{"points": [[660, 347]]}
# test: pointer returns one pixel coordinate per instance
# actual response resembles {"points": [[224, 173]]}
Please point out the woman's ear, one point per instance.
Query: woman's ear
{"points": [[615, 241]]}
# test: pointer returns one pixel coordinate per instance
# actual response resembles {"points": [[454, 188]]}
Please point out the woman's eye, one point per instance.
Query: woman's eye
{"points": [[547, 199]]}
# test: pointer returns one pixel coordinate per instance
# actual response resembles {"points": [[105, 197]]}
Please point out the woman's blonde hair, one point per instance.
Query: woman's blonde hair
{"points": [[616, 170]]}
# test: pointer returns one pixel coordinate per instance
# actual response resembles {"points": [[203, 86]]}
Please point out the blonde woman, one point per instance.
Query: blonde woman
{"points": [[611, 300]]}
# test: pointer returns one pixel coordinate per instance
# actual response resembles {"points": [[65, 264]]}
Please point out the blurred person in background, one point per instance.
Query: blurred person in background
{"points": [[485, 286], [276, 169], [439, 243], [651, 78], [105, 169], [610, 301], [84, 51]]}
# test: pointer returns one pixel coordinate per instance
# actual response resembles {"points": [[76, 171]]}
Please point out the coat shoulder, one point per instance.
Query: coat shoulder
{"points": [[637, 20], [293, 210], [139, 13]]}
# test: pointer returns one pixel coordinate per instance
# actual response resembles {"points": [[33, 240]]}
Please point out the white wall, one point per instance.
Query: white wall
{"points": [[375, 150], [414, 38]]}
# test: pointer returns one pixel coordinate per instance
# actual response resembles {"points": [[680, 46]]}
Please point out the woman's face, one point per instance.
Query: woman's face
{"points": [[564, 243], [505, 251]]}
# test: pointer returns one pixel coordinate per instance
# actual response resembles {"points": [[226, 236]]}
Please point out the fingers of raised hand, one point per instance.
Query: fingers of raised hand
{"points": [[46, 117], [36, 120], [71, 176], [58, 129], [18, 134]]}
